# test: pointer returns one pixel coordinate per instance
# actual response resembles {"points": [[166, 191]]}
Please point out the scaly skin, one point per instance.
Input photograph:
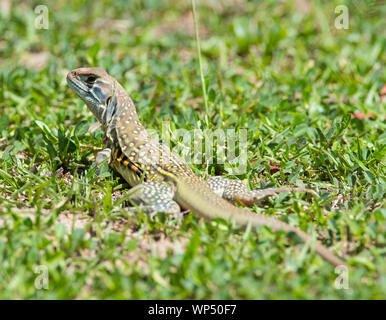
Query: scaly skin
{"points": [[169, 182]]}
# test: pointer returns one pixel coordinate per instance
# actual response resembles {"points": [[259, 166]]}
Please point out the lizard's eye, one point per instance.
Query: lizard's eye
{"points": [[91, 79]]}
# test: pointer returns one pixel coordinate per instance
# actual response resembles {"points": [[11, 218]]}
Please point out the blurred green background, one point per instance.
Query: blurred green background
{"points": [[309, 94]]}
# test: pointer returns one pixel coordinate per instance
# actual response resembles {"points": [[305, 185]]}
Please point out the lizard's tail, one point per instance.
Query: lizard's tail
{"points": [[199, 198]]}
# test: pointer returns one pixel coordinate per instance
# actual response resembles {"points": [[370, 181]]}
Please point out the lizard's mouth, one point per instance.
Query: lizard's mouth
{"points": [[87, 95], [75, 84], [82, 90]]}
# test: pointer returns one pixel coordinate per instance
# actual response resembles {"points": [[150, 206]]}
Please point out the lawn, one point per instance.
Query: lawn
{"points": [[310, 95]]}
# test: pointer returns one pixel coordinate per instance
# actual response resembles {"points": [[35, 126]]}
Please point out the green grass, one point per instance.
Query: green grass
{"points": [[277, 68]]}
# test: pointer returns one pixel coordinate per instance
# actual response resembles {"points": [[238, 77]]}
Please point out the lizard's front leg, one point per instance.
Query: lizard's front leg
{"points": [[236, 191], [154, 197], [101, 156]]}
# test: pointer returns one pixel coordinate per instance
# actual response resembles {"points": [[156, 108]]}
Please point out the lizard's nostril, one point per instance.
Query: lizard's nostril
{"points": [[71, 74]]}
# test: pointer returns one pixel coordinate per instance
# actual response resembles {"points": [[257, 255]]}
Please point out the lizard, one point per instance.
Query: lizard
{"points": [[160, 180]]}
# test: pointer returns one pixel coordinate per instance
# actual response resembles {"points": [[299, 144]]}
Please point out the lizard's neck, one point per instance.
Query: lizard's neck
{"points": [[124, 110]]}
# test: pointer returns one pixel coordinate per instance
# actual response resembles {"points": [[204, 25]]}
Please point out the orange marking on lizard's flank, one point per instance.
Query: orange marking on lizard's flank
{"points": [[134, 168], [120, 157]]}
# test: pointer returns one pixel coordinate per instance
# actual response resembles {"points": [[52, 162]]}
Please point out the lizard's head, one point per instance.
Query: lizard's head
{"points": [[95, 87]]}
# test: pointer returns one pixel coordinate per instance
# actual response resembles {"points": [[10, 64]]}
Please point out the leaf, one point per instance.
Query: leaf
{"points": [[47, 132], [212, 95], [50, 148], [81, 128], [131, 245], [60, 230], [4, 122], [190, 251], [76, 237], [107, 202], [370, 177]]}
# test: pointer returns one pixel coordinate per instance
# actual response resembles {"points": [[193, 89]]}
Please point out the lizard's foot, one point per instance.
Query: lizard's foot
{"points": [[237, 191], [153, 197], [104, 155]]}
